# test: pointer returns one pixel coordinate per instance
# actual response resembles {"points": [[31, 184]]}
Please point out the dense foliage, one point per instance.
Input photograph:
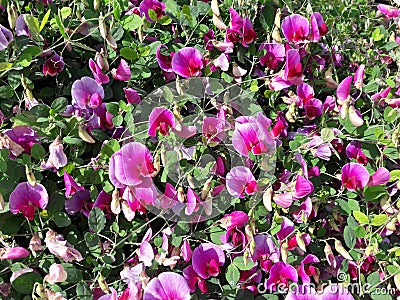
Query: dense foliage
{"points": [[199, 149]]}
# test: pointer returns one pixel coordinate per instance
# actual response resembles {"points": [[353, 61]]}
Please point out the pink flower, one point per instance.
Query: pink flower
{"points": [[343, 89], [162, 119], [53, 65], [234, 219], [295, 28], [98, 74], [24, 136], [389, 11], [207, 259], [71, 187], [306, 269], [214, 127], [318, 27], [381, 176], [280, 274], [354, 176], [26, 198], [167, 286], [303, 292], [275, 54], [86, 92], [57, 158], [56, 274], [313, 108], [13, 253], [123, 72], [132, 165], [131, 96], [359, 77], [266, 251], [354, 151], [287, 228], [193, 279], [240, 30], [240, 181], [6, 37], [381, 95], [157, 6], [187, 62], [58, 246], [164, 61], [293, 73], [146, 253], [336, 292], [304, 212]]}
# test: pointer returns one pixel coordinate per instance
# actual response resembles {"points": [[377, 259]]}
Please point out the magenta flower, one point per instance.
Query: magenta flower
{"points": [[275, 54], [295, 28], [53, 65], [6, 37], [123, 72], [280, 274], [304, 212], [240, 30], [24, 136], [132, 96], [164, 61], [13, 253], [234, 219], [266, 251], [240, 181], [381, 95], [157, 6], [306, 270], [287, 228], [193, 280], [381, 176], [86, 92], [354, 151], [336, 292], [207, 259], [359, 77], [98, 74], [303, 292], [318, 27], [214, 128], [390, 12], [132, 165], [26, 198], [162, 119], [354, 176], [313, 108], [71, 187], [343, 89], [293, 73], [167, 286], [187, 62]]}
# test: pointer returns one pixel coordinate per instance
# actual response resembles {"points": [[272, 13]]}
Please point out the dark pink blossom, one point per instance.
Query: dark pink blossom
{"points": [[354, 151], [207, 260], [71, 187], [280, 274], [26, 198], [295, 28], [24, 136], [293, 73], [359, 77], [240, 182], [86, 92], [161, 119], [318, 27], [164, 61], [354, 176], [265, 251], [287, 228], [304, 212], [193, 280], [381, 95], [132, 96], [336, 292], [157, 6], [167, 286], [187, 62], [389, 11], [240, 30], [275, 54], [381, 176], [13, 253], [123, 72], [313, 108], [97, 72], [306, 270], [53, 65]]}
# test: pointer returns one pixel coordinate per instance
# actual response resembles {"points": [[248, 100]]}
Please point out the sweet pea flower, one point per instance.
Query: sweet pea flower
{"points": [[303, 292], [98, 74], [313, 108], [132, 165], [295, 28], [240, 30], [280, 274], [221, 62], [354, 151], [164, 61], [56, 274], [346, 103], [381, 95], [162, 119], [275, 54], [20, 26], [157, 6], [336, 292], [354, 176], [194, 280], [123, 72], [26, 198], [57, 158], [304, 212], [306, 269], [318, 27], [145, 251], [71, 187], [167, 286], [6, 37], [381, 176], [240, 181], [35, 244], [58, 246], [266, 251], [234, 219], [132, 96], [293, 73], [207, 259], [359, 77], [390, 12], [53, 65], [187, 62], [287, 228], [24, 136], [13, 253], [86, 92]]}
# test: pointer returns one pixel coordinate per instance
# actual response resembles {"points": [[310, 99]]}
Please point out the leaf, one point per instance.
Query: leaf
{"points": [[33, 25], [61, 219], [327, 135], [379, 220], [38, 151], [353, 205], [109, 148], [24, 283], [129, 53], [243, 265], [97, 219], [232, 275], [60, 25], [349, 237], [131, 22], [83, 291], [6, 92], [44, 20], [360, 217], [59, 104]]}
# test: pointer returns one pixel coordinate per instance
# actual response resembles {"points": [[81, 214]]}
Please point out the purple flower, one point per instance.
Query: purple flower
{"points": [[53, 65], [157, 6], [98, 74], [354, 151], [162, 119], [86, 92], [303, 292], [275, 54], [57, 158], [240, 181], [304, 211], [164, 61], [293, 73], [26, 198], [389, 11], [13, 253], [71, 187], [280, 274], [313, 108], [214, 127], [381, 95], [167, 286], [295, 28], [318, 27], [20, 27], [187, 62], [287, 228], [359, 77], [354, 176], [24, 136], [240, 30], [123, 72], [266, 251], [132, 96], [306, 269], [6, 37], [207, 259], [336, 292]]}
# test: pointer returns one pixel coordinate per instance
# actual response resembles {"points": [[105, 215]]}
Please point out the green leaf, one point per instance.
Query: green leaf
{"points": [[24, 283], [24, 59], [360, 217], [6, 92], [60, 25], [83, 291], [128, 53], [110, 148], [181, 229], [379, 220], [38, 151], [349, 237], [72, 140], [242, 265], [33, 25], [59, 104], [232, 275], [118, 120], [61, 219], [44, 20], [97, 219], [65, 12], [74, 274], [360, 232], [327, 135], [113, 108], [131, 22], [353, 205]]}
